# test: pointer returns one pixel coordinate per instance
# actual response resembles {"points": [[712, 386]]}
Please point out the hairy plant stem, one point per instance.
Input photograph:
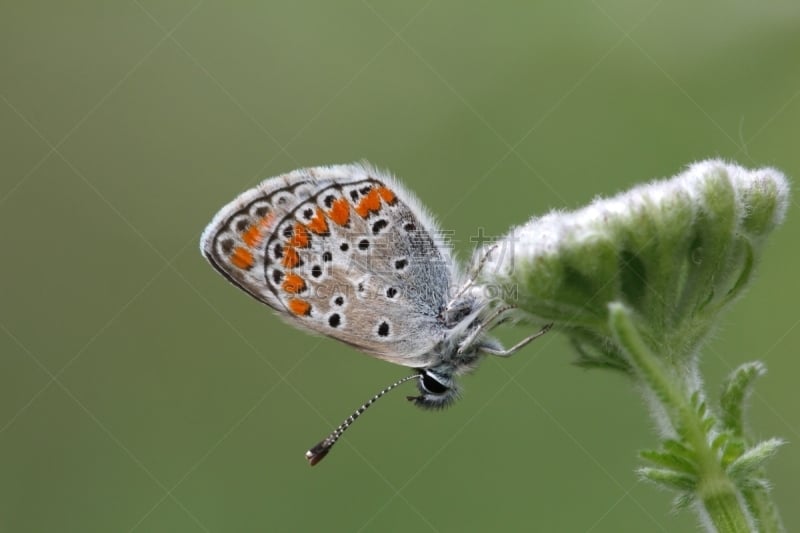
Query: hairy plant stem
{"points": [[716, 493]]}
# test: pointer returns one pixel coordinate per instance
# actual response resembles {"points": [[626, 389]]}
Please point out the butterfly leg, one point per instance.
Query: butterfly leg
{"points": [[488, 323], [521, 344], [472, 277], [482, 262]]}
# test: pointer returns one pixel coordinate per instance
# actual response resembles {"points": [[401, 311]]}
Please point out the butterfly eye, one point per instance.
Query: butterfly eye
{"points": [[437, 391], [432, 384]]}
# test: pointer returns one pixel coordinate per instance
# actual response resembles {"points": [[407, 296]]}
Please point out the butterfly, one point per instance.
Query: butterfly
{"points": [[346, 251]]}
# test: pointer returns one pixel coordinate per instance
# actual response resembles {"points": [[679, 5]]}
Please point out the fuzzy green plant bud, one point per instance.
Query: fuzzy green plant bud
{"points": [[675, 252]]}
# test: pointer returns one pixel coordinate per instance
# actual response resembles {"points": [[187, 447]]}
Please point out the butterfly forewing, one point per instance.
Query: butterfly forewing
{"points": [[339, 251]]}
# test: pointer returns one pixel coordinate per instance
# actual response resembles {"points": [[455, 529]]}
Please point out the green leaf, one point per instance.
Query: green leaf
{"points": [[683, 501], [735, 391], [734, 448], [720, 441], [594, 353], [671, 461], [677, 447], [752, 460], [668, 478]]}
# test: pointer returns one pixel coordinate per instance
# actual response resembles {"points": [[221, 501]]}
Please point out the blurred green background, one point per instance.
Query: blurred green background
{"points": [[140, 391]]}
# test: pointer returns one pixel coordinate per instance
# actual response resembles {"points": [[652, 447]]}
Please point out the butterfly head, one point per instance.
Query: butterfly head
{"points": [[465, 324]]}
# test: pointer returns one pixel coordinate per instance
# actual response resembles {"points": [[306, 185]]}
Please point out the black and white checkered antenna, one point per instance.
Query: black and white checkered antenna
{"points": [[318, 452]]}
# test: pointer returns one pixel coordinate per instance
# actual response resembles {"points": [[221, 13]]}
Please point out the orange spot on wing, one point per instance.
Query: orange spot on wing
{"points": [[294, 283], [290, 257], [253, 235], [318, 224], [387, 195], [242, 258], [300, 237], [370, 202], [299, 307], [340, 211]]}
